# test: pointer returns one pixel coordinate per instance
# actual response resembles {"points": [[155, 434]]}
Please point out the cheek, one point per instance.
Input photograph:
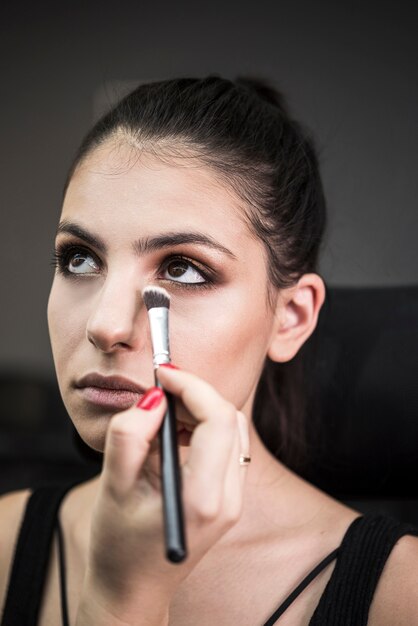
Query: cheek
{"points": [[65, 328], [224, 342]]}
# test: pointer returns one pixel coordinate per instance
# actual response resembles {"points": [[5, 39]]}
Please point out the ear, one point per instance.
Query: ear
{"points": [[296, 316]]}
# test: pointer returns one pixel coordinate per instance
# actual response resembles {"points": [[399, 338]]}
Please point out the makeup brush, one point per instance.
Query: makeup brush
{"points": [[157, 301]]}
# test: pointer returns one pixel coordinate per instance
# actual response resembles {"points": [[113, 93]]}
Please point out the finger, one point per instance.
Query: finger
{"points": [[232, 487], [196, 394], [245, 446], [212, 441], [206, 466], [128, 440], [244, 434], [236, 473]]}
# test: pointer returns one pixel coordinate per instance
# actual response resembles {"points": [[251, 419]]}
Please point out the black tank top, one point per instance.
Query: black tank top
{"points": [[345, 601]]}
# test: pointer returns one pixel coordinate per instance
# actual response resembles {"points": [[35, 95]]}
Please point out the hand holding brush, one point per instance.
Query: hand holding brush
{"points": [[157, 301], [127, 574]]}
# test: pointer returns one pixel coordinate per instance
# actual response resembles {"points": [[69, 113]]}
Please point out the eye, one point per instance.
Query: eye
{"points": [[82, 263], [183, 271], [70, 259]]}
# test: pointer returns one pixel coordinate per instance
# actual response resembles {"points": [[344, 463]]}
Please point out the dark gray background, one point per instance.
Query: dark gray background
{"points": [[348, 70]]}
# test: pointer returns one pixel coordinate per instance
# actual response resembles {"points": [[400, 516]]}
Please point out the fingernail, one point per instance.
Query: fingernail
{"points": [[170, 366], [151, 399]]}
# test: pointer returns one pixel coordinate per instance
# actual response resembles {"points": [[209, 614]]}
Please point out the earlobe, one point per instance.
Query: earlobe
{"points": [[296, 317]]}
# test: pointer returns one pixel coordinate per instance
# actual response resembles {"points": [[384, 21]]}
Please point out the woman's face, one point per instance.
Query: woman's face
{"points": [[127, 223]]}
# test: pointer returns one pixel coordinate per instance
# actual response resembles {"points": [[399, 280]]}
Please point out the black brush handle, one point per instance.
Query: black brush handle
{"points": [[175, 544]]}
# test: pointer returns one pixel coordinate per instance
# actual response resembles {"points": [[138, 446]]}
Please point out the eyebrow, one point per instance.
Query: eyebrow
{"points": [[146, 244]]}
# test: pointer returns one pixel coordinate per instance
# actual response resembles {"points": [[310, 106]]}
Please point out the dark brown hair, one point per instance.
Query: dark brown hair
{"points": [[243, 131]]}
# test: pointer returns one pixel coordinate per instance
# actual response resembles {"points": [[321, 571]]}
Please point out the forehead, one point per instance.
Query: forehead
{"points": [[116, 184]]}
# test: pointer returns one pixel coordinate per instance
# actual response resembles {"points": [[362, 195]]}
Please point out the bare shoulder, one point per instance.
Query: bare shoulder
{"points": [[396, 597], [12, 506]]}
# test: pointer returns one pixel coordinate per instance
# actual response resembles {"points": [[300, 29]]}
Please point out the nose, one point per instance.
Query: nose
{"points": [[115, 322]]}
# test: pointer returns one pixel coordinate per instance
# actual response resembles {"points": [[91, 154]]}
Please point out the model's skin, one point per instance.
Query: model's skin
{"points": [[253, 532]]}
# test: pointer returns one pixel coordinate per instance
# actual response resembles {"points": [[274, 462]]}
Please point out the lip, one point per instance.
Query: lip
{"points": [[109, 392]]}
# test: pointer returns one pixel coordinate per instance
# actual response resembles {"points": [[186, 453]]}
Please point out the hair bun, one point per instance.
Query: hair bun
{"points": [[265, 90]]}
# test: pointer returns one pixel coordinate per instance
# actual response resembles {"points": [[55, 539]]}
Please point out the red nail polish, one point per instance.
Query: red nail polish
{"points": [[170, 366], [151, 399]]}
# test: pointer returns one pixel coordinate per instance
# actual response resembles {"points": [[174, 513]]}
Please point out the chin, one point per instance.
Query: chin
{"points": [[93, 434]]}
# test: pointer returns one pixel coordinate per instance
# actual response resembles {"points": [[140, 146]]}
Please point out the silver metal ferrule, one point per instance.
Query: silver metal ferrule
{"points": [[158, 318]]}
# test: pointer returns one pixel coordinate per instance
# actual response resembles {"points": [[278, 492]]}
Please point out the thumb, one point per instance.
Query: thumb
{"points": [[128, 441]]}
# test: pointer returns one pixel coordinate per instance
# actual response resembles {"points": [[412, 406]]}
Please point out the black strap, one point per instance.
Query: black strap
{"points": [[32, 553], [305, 582], [364, 551], [62, 575]]}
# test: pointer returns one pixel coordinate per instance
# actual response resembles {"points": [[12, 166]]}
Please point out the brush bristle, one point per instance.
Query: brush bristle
{"points": [[156, 297]]}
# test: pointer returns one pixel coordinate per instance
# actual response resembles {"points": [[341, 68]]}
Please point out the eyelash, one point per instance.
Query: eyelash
{"points": [[64, 252]]}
